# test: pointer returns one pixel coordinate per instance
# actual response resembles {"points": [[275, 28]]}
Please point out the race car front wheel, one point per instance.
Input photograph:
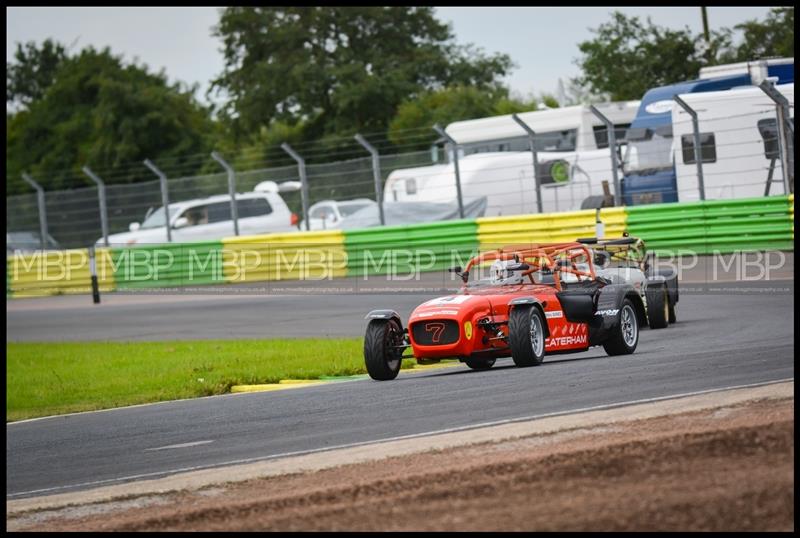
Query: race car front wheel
{"points": [[383, 349], [526, 336], [625, 335]]}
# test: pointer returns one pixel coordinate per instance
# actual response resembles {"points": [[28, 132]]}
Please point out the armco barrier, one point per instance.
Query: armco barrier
{"points": [[168, 265], [57, 272], [719, 226], [495, 232], [399, 250], [287, 256]]}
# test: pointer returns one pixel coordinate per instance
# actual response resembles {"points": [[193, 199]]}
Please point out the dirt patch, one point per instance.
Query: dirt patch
{"points": [[721, 469]]}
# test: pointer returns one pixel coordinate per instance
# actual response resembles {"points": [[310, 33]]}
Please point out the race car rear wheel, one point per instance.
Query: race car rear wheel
{"points": [[657, 307], [526, 336], [381, 354], [480, 364], [625, 334]]}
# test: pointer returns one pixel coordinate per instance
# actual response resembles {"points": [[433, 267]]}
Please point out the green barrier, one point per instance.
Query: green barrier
{"points": [[718, 226], [406, 249], [57, 272], [168, 265]]}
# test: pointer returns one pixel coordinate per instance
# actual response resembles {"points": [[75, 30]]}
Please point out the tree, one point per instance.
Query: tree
{"points": [[33, 71], [627, 57], [339, 70], [412, 125], [773, 37], [103, 113]]}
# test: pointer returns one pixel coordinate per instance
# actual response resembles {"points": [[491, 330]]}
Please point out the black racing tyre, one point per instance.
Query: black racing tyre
{"points": [[526, 334], [383, 360], [480, 364], [625, 334], [672, 317], [657, 307]]}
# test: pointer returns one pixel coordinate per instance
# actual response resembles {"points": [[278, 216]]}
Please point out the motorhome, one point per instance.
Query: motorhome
{"points": [[738, 142], [649, 169], [495, 160]]}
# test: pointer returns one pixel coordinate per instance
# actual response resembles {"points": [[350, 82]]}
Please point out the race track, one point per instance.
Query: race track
{"points": [[721, 340]]}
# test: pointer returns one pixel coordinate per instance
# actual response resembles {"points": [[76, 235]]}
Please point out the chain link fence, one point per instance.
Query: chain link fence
{"points": [[741, 155], [74, 221]]}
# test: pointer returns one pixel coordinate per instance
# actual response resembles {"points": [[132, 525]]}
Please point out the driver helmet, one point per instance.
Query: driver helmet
{"points": [[601, 258], [500, 274]]}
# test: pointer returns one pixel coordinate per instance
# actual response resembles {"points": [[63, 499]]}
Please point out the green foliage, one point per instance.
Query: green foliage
{"points": [[773, 37], [627, 57], [339, 70], [411, 125], [105, 114], [33, 71]]}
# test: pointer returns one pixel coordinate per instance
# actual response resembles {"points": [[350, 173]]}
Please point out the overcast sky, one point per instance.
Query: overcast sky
{"points": [[543, 42]]}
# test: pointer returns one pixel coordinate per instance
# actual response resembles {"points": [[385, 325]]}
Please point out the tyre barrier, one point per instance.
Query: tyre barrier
{"points": [[719, 226], [397, 250], [495, 232], [57, 272], [287, 256]]}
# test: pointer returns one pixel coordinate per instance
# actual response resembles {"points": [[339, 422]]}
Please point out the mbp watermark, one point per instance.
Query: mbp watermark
{"points": [[336, 268]]}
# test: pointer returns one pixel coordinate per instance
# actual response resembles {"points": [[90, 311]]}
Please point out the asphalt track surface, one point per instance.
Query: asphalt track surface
{"points": [[721, 340]]}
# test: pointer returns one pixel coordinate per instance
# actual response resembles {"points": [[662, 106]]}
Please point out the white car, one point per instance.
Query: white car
{"points": [[209, 219], [329, 214]]}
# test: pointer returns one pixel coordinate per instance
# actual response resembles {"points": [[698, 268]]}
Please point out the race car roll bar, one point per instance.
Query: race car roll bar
{"points": [[541, 257]]}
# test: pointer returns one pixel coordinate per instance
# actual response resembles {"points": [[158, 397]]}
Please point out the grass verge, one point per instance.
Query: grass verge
{"points": [[54, 378]]}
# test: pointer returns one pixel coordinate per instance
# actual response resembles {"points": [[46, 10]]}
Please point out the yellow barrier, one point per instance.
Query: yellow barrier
{"points": [[58, 272], [289, 256], [495, 232]]}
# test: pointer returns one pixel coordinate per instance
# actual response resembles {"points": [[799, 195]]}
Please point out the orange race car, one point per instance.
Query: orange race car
{"points": [[536, 299]]}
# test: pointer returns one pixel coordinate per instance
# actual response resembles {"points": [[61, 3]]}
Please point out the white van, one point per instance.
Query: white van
{"points": [[495, 161], [737, 140], [209, 219]]}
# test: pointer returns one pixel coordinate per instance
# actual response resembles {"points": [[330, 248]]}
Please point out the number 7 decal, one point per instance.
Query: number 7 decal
{"points": [[436, 329]]}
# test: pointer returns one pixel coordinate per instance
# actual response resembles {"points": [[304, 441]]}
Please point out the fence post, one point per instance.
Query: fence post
{"points": [[785, 142], [612, 145], [536, 180], [376, 173], [42, 209], [101, 194], [164, 195], [231, 189], [454, 145], [697, 153], [301, 168]]}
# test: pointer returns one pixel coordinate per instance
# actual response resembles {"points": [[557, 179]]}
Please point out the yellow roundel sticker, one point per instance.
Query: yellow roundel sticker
{"points": [[468, 329]]}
